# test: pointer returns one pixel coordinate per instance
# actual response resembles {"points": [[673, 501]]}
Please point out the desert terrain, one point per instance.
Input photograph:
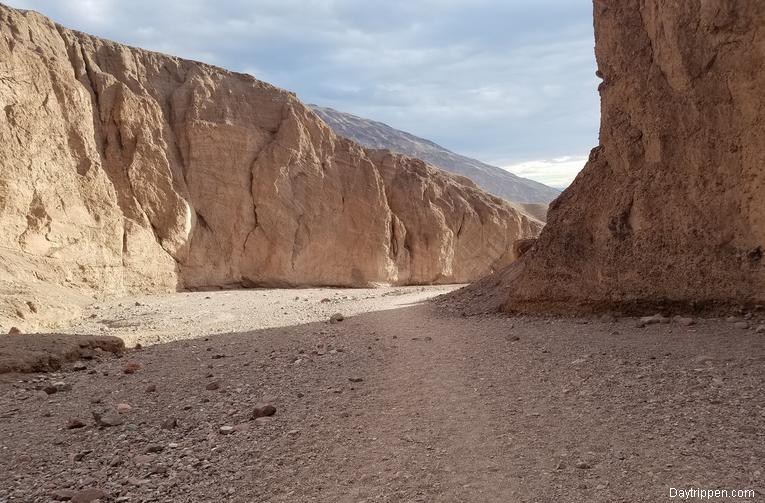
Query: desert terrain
{"points": [[405, 399], [192, 311]]}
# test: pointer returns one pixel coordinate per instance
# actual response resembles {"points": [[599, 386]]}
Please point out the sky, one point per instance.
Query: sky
{"points": [[508, 82]]}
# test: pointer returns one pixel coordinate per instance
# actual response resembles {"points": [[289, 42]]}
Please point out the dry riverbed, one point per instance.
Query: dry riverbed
{"points": [[403, 400]]}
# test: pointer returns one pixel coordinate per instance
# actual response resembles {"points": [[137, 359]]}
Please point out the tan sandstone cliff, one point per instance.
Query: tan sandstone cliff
{"points": [[670, 209], [123, 170]]}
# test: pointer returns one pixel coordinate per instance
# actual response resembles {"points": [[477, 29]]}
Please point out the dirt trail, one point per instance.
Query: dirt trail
{"points": [[440, 408]]}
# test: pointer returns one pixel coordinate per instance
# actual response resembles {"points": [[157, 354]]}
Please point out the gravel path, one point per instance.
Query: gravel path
{"points": [[410, 404]]}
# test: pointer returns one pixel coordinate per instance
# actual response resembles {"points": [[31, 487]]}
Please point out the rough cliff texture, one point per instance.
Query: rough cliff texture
{"points": [[670, 209], [124, 170]]}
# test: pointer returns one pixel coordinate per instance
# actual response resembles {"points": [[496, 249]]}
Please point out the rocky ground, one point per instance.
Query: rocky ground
{"points": [[414, 403], [151, 319]]}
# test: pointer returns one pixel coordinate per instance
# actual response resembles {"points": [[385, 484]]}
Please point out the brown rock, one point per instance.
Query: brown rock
{"points": [[131, 368], [686, 322], [63, 494], [169, 424], [151, 388], [263, 410], [107, 420], [336, 318], [669, 208], [215, 385], [74, 423], [88, 495], [192, 176], [14, 331]]}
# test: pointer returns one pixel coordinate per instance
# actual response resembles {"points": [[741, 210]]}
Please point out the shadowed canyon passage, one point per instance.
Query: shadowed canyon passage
{"points": [[399, 398]]}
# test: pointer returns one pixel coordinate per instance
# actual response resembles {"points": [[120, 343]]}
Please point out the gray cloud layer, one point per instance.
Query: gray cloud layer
{"points": [[505, 81]]}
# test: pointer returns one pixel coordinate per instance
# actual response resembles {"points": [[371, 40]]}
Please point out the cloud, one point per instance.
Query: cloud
{"points": [[558, 172], [493, 79]]}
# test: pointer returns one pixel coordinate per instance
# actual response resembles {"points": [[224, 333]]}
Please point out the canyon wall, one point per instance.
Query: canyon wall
{"points": [[123, 170], [670, 209]]}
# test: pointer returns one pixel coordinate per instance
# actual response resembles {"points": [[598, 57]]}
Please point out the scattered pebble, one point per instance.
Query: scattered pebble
{"points": [[652, 320], [336, 318], [131, 368], [57, 387], [107, 420], [263, 410], [74, 423], [686, 322], [212, 386], [88, 495], [226, 430], [63, 494], [169, 424]]}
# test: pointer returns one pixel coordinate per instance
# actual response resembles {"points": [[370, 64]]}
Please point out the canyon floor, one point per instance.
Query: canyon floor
{"points": [[404, 400]]}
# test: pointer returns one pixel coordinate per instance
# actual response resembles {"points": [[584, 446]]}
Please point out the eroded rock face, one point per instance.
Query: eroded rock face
{"points": [[670, 208], [124, 170]]}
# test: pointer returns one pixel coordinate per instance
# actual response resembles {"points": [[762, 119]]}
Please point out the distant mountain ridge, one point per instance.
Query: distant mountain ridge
{"points": [[497, 181]]}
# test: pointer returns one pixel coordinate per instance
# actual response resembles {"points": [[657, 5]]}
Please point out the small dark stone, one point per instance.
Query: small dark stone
{"points": [[107, 420], [88, 495], [74, 423], [169, 424], [263, 410], [63, 494]]}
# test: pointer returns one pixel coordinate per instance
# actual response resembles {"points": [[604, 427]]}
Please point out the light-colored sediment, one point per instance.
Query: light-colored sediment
{"points": [[163, 318]]}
